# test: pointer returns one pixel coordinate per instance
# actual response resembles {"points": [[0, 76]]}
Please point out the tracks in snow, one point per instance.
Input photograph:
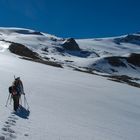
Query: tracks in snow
{"points": [[9, 131]]}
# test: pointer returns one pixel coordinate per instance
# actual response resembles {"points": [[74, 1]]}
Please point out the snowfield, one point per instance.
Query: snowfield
{"points": [[91, 52], [63, 104], [67, 105]]}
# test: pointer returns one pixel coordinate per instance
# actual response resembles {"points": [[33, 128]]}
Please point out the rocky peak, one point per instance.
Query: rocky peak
{"points": [[70, 44]]}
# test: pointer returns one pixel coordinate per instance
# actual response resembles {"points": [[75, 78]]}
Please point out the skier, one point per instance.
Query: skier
{"points": [[17, 90]]}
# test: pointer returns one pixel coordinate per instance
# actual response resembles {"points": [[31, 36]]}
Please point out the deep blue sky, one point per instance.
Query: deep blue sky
{"points": [[73, 18]]}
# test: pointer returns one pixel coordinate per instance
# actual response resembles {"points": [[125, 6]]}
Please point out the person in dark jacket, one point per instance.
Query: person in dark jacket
{"points": [[17, 90]]}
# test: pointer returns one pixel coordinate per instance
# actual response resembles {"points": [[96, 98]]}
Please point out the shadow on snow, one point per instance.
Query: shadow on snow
{"points": [[22, 112]]}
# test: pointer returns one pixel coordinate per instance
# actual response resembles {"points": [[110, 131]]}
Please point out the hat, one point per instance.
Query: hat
{"points": [[17, 78]]}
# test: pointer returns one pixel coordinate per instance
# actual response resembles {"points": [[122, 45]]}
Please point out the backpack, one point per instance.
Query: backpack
{"points": [[18, 87], [10, 89]]}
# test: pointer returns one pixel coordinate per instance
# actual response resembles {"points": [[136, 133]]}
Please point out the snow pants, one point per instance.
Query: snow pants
{"points": [[16, 101]]}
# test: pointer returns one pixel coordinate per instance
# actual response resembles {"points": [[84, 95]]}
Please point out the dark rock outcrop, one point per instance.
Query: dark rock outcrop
{"points": [[22, 50], [115, 61], [134, 59], [131, 38], [70, 44], [28, 54], [51, 63]]}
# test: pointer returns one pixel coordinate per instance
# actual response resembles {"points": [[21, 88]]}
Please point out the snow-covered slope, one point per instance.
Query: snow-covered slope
{"points": [[66, 104], [90, 55]]}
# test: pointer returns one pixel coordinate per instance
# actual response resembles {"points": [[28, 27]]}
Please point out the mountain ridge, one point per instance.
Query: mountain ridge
{"points": [[111, 56]]}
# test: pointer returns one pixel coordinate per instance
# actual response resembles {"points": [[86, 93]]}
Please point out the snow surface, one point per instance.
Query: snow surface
{"points": [[93, 51], [67, 105]]}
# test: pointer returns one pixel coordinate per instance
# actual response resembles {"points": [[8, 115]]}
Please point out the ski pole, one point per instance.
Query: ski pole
{"points": [[25, 100], [10, 99], [20, 99], [7, 100]]}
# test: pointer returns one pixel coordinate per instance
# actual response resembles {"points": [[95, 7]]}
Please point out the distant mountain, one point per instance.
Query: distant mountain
{"points": [[115, 56]]}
